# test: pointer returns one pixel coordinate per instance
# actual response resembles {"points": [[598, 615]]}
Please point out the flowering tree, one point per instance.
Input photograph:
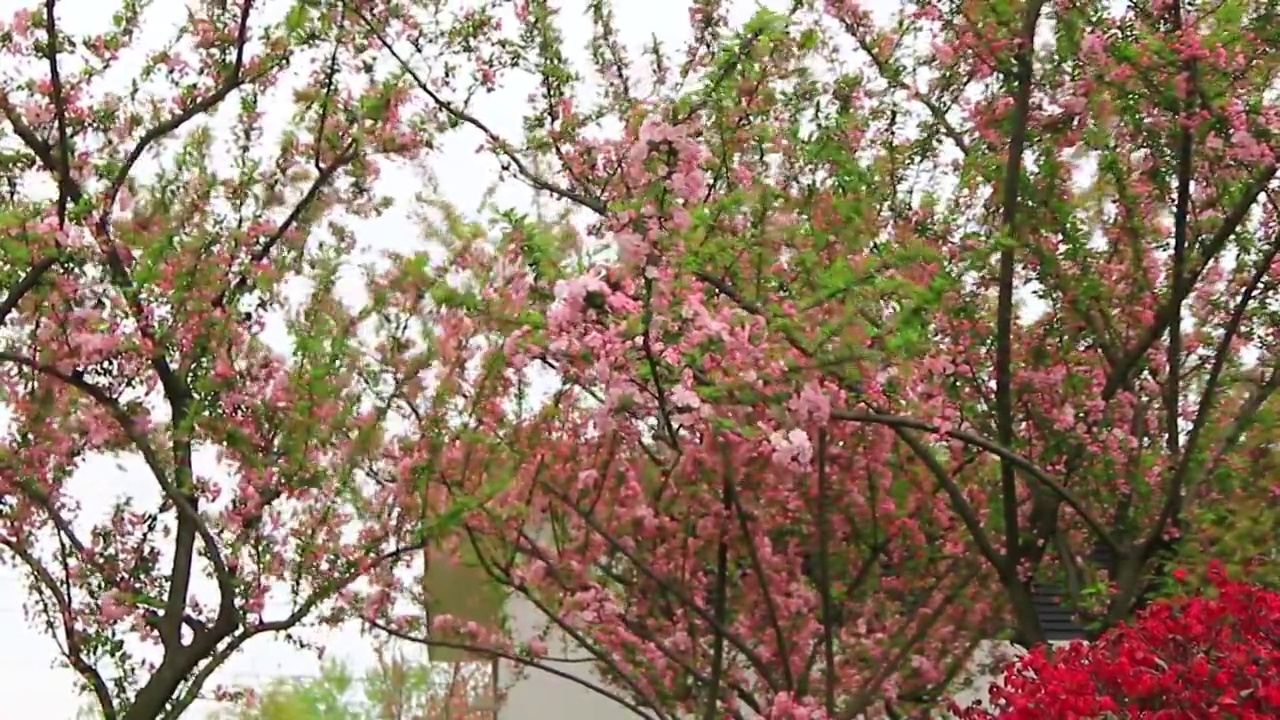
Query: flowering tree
{"points": [[868, 315], [1210, 655], [708, 554], [144, 246]]}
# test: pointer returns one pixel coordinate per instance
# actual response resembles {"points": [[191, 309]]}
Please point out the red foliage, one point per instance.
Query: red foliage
{"points": [[1213, 655]]}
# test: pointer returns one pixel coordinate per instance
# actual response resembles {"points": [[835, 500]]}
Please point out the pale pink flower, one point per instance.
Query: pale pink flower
{"points": [[113, 607], [792, 450]]}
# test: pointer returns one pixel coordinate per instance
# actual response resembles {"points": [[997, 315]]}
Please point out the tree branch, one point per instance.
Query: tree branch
{"points": [[72, 651], [1024, 74], [63, 174], [144, 447]]}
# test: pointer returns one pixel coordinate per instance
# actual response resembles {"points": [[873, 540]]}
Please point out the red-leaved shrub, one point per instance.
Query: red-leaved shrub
{"points": [[1213, 655]]}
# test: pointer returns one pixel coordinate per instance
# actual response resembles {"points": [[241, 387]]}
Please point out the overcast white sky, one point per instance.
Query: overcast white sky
{"points": [[36, 690]]}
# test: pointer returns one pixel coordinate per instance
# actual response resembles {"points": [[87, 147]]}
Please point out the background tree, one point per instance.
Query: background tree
{"points": [[1239, 531], [397, 688]]}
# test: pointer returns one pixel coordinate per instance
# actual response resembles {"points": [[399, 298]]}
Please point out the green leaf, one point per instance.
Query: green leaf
{"points": [[16, 250], [296, 19]]}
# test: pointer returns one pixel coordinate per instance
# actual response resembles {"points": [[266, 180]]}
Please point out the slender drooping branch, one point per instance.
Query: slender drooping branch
{"points": [[519, 659]]}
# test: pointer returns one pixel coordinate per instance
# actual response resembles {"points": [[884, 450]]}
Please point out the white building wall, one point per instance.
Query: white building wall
{"points": [[539, 695]]}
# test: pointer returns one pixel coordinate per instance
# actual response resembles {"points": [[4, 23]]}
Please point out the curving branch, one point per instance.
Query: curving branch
{"points": [[72, 649], [228, 295], [1222, 353], [1031, 469]]}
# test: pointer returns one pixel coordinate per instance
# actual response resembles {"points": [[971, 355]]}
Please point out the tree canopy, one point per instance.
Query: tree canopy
{"points": [[837, 336]]}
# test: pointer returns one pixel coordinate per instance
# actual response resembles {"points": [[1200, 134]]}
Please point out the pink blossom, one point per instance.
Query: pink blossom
{"points": [[792, 449], [113, 607]]}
